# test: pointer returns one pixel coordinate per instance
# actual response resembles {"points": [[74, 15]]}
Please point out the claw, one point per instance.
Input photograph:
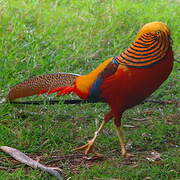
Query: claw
{"points": [[89, 148]]}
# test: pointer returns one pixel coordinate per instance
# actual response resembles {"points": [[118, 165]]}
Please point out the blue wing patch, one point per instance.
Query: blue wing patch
{"points": [[95, 89]]}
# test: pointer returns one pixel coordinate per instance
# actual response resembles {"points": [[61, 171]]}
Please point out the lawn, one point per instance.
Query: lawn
{"points": [[47, 36]]}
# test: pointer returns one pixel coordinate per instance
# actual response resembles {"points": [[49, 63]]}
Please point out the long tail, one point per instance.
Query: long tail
{"points": [[51, 102], [45, 83]]}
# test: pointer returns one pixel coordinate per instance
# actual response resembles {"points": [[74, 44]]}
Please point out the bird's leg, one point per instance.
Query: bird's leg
{"points": [[119, 132], [88, 148], [120, 135], [121, 139]]}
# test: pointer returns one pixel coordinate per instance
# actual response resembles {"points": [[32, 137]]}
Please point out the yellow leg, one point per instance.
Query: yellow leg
{"points": [[88, 148], [119, 133]]}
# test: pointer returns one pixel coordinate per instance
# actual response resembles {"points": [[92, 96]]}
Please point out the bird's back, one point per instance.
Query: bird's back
{"points": [[129, 86], [138, 72]]}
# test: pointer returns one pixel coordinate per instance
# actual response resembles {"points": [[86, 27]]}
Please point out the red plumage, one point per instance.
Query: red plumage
{"points": [[122, 82]]}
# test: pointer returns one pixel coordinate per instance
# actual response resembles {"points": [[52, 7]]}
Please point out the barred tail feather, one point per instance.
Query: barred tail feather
{"points": [[41, 84]]}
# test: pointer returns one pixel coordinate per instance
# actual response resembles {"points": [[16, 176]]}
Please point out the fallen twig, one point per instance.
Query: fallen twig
{"points": [[64, 157], [162, 102], [19, 156], [6, 168], [141, 119]]}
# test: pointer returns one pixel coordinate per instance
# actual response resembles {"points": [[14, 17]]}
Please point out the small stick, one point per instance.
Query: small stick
{"points": [[6, 168], [162, 102], [19, 156]]}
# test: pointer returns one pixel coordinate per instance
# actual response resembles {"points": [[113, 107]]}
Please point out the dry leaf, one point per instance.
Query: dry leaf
{"points": [[154, 156], [129, 126]]}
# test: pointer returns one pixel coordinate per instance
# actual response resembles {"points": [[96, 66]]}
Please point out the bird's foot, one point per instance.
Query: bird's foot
{"points": [[89, 148]]}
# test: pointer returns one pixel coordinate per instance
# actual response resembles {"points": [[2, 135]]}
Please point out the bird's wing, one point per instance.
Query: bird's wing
{"points": [[41, 84], [109, 70]]}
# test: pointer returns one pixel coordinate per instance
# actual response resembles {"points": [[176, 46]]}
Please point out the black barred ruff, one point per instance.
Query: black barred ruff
{"points": [[146, 51]]}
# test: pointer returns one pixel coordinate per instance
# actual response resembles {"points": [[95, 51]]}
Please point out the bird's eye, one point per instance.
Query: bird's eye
{"points": [[158, 32]]}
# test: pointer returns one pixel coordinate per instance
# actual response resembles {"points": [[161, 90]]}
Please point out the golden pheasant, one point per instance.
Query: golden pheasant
{"points": [[122, 81]]}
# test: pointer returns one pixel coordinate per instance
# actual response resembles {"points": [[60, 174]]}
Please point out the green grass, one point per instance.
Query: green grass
{"points": [[45, 36]]}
